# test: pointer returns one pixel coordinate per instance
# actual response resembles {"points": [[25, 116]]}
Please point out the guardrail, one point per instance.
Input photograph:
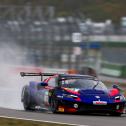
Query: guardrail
{"points": [[105, 38]]}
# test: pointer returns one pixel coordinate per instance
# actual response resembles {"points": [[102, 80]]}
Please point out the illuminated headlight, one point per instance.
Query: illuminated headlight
{"points": [[70, 96]]}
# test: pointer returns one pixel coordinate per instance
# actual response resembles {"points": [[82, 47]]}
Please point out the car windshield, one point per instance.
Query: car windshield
{"points": [[84, 84]]}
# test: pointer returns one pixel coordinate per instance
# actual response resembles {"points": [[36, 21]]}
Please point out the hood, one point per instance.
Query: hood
{"points": [[90, 96], [91, 91]]}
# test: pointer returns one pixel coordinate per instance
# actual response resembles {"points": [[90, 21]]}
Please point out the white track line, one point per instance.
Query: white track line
{"points": [[9, 117]]}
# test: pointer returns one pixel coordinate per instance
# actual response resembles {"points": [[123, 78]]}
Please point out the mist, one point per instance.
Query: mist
{"points": [[13, 60], [12, 57]]}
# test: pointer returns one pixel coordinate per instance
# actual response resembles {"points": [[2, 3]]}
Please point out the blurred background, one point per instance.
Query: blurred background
{"points": [[66, 34]]}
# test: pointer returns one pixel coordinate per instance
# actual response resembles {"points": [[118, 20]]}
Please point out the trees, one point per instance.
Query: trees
{"points": [[98, 10]]}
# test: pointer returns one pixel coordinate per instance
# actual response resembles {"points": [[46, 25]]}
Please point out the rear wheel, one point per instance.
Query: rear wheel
{"points": [[26, 98]]}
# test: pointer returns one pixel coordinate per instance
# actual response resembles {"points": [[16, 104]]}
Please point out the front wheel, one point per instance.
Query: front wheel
{"points": [[54, 105], [115, 114]]}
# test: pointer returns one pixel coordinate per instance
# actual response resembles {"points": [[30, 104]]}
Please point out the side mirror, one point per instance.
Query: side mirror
{"points": [[116, 86], [43, 84]]}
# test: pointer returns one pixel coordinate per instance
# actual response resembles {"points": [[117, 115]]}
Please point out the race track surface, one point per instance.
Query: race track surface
{"points": [[88, 120]]}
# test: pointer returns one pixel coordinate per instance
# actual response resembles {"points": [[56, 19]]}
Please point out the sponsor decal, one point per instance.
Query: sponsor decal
{"points": [[97, 97], [99, 102]]}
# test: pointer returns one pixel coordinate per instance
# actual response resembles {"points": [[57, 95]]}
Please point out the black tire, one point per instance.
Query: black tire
{"points": [[54, 105], [26, 98], [115, 114]]}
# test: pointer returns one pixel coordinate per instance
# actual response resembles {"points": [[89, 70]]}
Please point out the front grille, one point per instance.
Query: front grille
{"points": [[91, 107]]}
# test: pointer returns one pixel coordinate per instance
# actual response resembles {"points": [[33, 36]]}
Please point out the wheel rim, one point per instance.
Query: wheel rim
{"points": [[54, 105]]}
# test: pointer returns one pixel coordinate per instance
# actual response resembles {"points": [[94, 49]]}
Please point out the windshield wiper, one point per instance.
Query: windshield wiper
{"points": [[96, 84]]}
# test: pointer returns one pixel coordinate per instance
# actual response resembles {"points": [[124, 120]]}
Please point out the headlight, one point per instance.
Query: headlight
{"points": [[70, 96], [121, 97]]}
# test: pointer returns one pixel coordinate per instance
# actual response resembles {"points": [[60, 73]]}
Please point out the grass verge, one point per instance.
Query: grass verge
{"points": [[19, 122]]}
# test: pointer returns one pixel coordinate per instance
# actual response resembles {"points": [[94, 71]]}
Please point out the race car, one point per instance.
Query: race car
{"points": [[71, 93]]}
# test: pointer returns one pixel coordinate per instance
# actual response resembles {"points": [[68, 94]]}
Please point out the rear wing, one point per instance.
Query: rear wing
{"points": [[37, 74]]}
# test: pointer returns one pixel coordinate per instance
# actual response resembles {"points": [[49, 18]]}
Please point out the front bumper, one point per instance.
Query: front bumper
{"points": [[82, 107]]}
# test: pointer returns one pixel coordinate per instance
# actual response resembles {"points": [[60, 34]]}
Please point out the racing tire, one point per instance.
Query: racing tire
{"points": [[26, 99], [54, 105], [115, 114]]}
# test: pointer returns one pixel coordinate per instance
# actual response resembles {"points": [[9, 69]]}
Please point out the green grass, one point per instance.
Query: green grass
{"points": [[18, 122]]}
